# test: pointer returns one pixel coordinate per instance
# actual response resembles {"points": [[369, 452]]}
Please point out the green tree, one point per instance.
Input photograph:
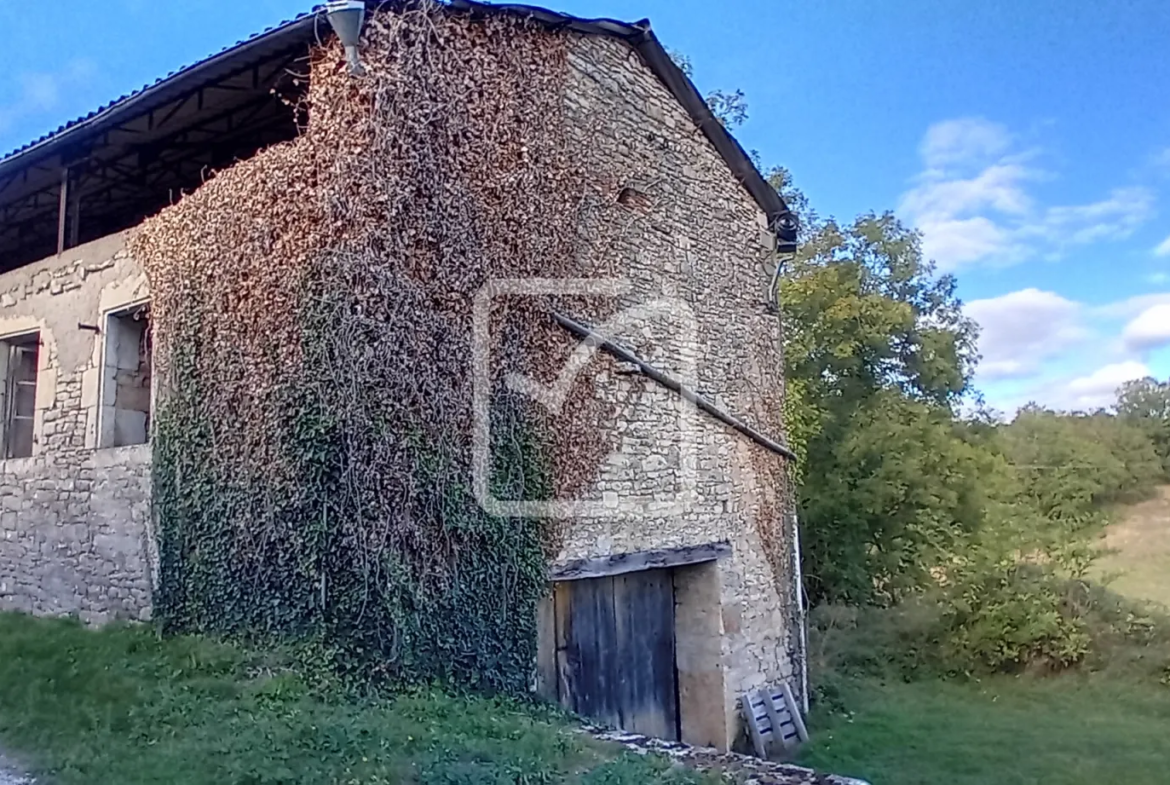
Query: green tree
{"points": [[1145, 399], [889, 494], [877, 356], [1146, 403], [1013, 592], [1071, 465], [902, 493]]}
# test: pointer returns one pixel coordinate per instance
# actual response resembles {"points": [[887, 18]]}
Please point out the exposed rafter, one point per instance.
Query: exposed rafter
{"points": [[141, 162]]}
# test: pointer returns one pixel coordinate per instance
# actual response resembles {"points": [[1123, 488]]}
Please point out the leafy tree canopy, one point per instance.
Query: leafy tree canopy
{"points": [[908, 487], [1146, 403]]}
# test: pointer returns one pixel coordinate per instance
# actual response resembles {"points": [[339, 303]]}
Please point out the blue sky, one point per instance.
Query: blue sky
{"points": [[1030, 141]]}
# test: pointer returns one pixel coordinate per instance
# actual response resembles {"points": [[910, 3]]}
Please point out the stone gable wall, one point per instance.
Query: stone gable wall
{"points": [[687, 234]]}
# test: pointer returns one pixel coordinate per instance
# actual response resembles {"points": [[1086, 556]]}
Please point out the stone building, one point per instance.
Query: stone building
{"points": [[675, 584]]}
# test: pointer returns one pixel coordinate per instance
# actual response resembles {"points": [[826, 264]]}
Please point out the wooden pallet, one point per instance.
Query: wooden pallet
{"points": [[773, 719]]}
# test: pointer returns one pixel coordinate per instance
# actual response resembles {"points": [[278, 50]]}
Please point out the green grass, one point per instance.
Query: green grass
{"points": [[124, 707], [1069, 730], [886, 713]]}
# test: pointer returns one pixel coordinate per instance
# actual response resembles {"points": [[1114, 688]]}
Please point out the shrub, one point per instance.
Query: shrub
{"points": [[1026, 620], [1007, 620], [898, 642]]}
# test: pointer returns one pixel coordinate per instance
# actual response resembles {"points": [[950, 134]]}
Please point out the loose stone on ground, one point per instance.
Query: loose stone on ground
{"points": [[733, 766]]}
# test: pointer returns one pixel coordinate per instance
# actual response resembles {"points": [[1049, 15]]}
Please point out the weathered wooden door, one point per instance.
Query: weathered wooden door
{"points": [[615, 651]]}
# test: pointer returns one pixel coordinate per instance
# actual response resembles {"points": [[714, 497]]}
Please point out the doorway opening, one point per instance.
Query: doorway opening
{"points": [[640, 649]]}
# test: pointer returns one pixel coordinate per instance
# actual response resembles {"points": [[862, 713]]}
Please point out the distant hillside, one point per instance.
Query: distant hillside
{"points": [[1141, 537]]}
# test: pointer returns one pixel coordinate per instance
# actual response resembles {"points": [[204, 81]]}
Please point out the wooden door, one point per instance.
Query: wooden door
{"points": [[615, 651]]}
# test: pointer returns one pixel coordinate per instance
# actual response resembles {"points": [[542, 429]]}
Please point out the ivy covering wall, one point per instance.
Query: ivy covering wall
{"points": [[312, 312]]}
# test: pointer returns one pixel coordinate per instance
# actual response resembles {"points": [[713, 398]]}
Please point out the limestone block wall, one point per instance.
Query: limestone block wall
{"points": [[75, 531], [686, 236]]}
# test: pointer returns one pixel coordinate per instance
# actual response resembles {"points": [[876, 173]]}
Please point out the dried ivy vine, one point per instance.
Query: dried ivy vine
{"points": [[313, 319], [312, 316]]}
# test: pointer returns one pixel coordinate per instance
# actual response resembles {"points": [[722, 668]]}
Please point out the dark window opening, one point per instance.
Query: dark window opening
{"points": [[126, 379], [21, 357]]}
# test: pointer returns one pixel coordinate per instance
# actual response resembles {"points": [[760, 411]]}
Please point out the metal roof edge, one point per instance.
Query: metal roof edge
{"points": [[112, 111]]}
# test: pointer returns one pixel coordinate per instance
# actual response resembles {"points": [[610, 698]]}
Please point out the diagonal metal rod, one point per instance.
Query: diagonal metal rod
{"points": [[646, 369]]}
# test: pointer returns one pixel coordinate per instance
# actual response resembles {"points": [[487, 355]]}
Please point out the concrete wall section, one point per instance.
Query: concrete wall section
{"points": [[75, 532]]}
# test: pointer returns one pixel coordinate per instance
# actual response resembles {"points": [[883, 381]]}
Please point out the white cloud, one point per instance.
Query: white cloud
{"points": [[1040, 346], [997, 187], [960, 241], [1131, 307], [1099, 388], [973, 203], [1020, 330], [963, 140], [1163, 248], [1148, 330], [1113, 218]]}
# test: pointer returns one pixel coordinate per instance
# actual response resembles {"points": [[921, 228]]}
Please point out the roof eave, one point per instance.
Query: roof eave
{"points": [[112, 114]]}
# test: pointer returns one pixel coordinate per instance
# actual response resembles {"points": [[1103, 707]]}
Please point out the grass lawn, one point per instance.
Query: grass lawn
{"points": [[122, 707], [1140, 538], [1072, 730]]}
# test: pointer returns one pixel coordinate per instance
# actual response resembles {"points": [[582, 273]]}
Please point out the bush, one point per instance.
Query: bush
{"points": [[1029, 621], [1005, 621], [899, 643]]}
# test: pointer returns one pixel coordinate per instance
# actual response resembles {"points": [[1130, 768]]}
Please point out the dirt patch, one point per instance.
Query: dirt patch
{"points": [[1140, 541]]}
